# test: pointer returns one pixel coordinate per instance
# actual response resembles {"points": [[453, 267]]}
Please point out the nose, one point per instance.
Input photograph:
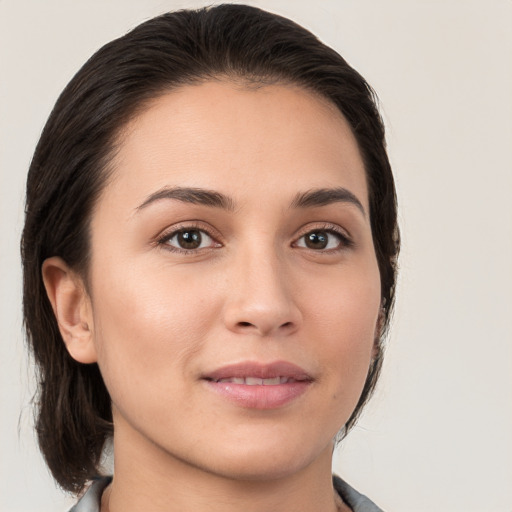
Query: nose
{"points": [[260, 299]]}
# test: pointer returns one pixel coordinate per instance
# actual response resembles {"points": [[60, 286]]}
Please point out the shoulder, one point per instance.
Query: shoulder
{"points": [[355, 500], [90, 501]]}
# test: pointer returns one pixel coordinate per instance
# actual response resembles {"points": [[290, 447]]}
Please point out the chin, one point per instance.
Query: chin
{"points": [[258, 462]]}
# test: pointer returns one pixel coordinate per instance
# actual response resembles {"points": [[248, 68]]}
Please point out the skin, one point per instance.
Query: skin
{"points": [[157, 318]]}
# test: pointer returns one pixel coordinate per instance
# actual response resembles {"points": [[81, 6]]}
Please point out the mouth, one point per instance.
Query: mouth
{"points": [[256, 381], [259, 386]]}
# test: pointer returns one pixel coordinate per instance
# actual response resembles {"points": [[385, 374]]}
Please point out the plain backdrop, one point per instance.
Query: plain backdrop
{"points": [[438, 434]]}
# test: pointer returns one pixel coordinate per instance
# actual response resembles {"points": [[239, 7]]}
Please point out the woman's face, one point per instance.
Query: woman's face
{"points": [[235, 291]]}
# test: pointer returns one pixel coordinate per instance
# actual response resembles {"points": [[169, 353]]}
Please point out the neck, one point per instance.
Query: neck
{"points": [[155, 481]]}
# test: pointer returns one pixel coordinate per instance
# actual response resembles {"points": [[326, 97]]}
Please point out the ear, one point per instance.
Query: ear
{"points": [[72, 308]]}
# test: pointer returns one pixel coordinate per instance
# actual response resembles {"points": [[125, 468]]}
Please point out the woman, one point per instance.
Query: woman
{"points": [[209, 258]]}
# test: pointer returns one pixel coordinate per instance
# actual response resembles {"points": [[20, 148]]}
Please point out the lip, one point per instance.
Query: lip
{"points": [[294, 382]]}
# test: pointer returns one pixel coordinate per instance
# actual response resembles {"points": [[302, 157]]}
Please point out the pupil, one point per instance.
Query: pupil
{"points": [[190, 239], [316, 240]]}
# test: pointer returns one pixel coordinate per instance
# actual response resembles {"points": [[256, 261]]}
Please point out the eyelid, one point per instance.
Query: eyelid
{"points": [[168, 233], [346, 240], [163, 237]]}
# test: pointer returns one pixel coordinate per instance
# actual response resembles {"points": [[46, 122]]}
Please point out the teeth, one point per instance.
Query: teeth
{"points": [[255, 381]]}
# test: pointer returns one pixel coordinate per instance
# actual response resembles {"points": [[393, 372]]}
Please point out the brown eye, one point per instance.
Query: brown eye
{"points": [[322, 239], [190, 239], [316, 240]]}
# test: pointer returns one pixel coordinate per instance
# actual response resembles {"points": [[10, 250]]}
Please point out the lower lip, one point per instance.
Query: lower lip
{"points": [[260, 397]]}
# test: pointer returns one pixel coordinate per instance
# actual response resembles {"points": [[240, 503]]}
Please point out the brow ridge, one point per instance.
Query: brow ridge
{"points": [[308, 199], [191, 195], [325, 196]]}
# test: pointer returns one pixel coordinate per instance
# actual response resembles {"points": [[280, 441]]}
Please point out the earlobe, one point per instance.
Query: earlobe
{"points": [[72, 308]]}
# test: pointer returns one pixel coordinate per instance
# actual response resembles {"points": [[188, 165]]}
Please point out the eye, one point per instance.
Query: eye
{"points": [[323, 240], [189, 239]]}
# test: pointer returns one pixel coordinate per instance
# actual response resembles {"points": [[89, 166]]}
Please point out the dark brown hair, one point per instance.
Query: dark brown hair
{"points": [[71, 164]]}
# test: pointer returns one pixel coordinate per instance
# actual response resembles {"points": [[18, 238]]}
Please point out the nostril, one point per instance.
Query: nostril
{"points": [[249, 324]]}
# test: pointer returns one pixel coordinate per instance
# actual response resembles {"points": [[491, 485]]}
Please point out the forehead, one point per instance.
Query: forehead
{"points": [[226, 136]]}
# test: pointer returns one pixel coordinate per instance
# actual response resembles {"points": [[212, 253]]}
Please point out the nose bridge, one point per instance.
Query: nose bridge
{"points": [[260, 297]]}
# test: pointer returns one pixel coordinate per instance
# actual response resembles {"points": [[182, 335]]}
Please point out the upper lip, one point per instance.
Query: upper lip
{"points": [[259, 370]]}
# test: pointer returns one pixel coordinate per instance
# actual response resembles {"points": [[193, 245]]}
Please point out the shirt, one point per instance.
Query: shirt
{"points": [[90, 501]]}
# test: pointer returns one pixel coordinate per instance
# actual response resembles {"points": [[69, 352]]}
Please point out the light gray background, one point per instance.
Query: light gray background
{"points": [[437, 436]]}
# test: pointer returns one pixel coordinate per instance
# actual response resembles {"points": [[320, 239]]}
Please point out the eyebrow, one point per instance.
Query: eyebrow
{"points": [[325, 196], [309, 199], [191, 195]]}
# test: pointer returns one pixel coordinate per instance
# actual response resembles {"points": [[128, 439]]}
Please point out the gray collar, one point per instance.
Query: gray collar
{"points": [[356, 501], [91, 500]]}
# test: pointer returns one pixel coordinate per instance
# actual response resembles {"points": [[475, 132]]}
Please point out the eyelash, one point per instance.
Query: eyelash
{"points": [[345, 242], [167, 236]]}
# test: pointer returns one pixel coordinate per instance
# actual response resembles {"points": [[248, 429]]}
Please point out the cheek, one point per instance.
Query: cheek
{"points": [[344, 320], [147, 328], [346, 302]]}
